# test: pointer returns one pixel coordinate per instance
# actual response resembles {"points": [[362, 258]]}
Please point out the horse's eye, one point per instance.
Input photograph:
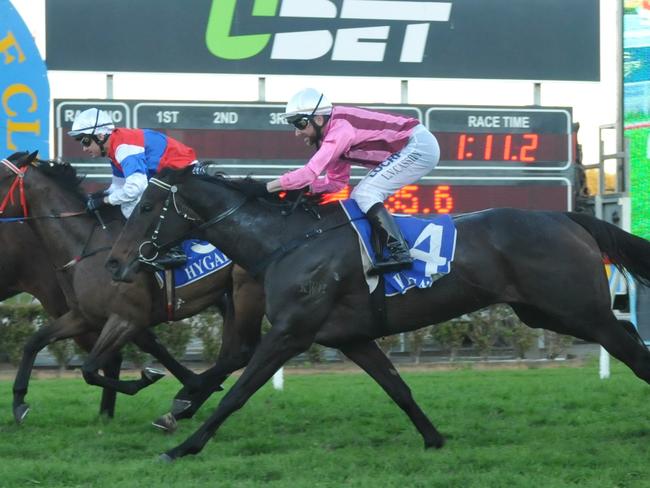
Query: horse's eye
{"points": [[146, 207]]}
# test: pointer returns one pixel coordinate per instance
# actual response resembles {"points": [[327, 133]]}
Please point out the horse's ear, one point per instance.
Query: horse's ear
{"points": [[32, 158]]}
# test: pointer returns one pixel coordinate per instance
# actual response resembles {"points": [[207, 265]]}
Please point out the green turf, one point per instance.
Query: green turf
{"points": [[537, 427]]}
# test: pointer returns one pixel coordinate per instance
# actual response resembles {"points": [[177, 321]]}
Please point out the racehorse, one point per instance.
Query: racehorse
{"points": [[91, 299], [25, 268], [52, 187], [548, 266]]}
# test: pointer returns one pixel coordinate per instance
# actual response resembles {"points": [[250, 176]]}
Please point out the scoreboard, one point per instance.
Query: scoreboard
{"points": [[490, 156]]}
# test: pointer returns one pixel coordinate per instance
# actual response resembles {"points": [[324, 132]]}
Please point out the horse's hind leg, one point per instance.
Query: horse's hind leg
{"points": [[624, 344], [618, 337], [629, 327], [373, 361]]}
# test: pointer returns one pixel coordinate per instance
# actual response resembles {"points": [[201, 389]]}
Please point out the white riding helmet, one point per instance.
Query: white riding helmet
{"points": [[92, 121], [307, 102]]}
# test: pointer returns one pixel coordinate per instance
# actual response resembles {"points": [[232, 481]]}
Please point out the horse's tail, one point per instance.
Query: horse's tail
{"points": [[623, 249]]}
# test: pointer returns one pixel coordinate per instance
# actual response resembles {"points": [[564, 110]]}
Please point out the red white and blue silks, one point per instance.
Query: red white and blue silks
{"points": [[432, 243]]}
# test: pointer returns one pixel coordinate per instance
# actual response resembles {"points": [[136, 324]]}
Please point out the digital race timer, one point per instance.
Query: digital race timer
{"points": [[462, 195], [502, 138]]}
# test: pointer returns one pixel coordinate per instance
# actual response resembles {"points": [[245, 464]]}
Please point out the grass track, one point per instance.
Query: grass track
{"points": [[508, 428]]}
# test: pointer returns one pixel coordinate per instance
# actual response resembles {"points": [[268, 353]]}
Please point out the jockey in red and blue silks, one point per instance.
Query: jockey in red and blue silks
{"points": [[135, 154]]}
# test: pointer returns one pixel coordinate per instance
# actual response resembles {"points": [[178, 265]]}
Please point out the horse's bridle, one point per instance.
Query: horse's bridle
{"points": [[171, 198], [19, 182]]}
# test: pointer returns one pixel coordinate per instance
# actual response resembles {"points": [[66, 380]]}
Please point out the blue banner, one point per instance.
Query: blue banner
{"points": [[24, 89]]}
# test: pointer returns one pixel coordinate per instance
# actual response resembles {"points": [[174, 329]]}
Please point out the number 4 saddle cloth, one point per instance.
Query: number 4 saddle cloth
{"points": [[432, 243]]}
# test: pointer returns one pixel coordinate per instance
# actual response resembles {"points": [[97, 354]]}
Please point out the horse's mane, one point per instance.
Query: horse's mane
{"points": [[244, 186], [64, 175]]}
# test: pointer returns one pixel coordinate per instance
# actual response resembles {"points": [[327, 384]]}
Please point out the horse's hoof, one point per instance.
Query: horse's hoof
{"points": [[20, 412], [179, 406], [435, 443], [166, 423], [152, 374], [165, 458]]}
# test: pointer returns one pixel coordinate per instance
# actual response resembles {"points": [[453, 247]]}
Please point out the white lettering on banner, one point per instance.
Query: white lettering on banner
{"points": [[516, 122], [511, 121], [167, 116], [227, 118], [432, 257], [301, 45], [396, 10], [415, 40], [358, 43], [319, 9], [349, 45], [117, 116], [484, 121]]}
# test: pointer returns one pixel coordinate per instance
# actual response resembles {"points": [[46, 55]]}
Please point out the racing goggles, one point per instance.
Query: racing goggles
{"points": [[300, 122], [85, 140]]}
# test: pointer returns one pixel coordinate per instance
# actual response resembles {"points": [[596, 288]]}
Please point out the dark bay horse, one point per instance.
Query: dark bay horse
{"points": [[50, 188], [78, 247], [548, 266], [24, 268]]}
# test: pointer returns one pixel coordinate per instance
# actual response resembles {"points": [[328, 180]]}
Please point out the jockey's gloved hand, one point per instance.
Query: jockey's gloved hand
{"points": [[98, 194], [94, 203]]}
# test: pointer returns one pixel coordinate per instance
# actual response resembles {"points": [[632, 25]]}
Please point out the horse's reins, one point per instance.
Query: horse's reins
{"points": [[9, 198], [19, 183], [171, 198], [283, 250]]}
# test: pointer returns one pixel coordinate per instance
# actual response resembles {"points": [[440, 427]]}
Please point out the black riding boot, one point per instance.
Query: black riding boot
{"points": [[174, 257], [390, 237]]}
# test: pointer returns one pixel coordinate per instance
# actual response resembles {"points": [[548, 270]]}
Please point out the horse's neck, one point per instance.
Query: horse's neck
{"points": [[254, 232], [66, 237]]}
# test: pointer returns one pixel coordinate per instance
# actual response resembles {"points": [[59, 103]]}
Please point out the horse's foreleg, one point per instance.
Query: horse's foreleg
{"points": [[111, 370], [242, 311], [68, 325], [276, 348], [369, 357], [187, 401], [116, 332]]}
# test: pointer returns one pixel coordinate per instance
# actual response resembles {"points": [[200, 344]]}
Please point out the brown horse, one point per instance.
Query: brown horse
{"points": [[133, 307], [546, 265], [88, 298], [25, 268]]}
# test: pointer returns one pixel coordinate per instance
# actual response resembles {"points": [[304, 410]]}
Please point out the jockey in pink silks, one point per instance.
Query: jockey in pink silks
{"points": [[399, 150]]}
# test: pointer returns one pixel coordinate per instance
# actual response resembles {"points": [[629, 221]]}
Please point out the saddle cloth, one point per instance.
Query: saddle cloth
{"points": [[203, 259], [432, 243]]}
